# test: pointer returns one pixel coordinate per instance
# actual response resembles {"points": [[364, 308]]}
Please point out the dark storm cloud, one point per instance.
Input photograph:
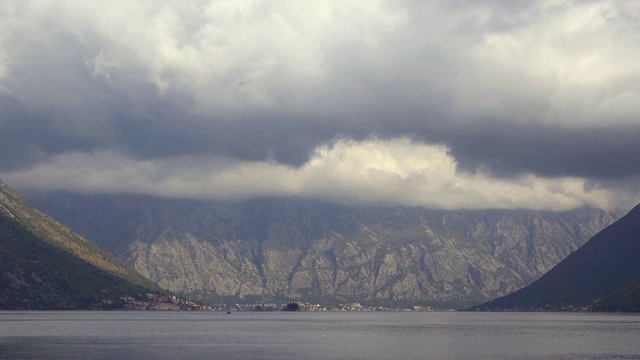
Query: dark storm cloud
{"points": [[27, 138], [264, 139], [511, 88], [506, 149]]}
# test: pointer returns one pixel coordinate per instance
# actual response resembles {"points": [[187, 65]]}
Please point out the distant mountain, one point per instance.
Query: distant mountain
{"points": [[44, 265], [288, 249], [603, 274]]}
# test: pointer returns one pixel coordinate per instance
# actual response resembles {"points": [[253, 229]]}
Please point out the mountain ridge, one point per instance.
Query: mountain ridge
{"points": [[589, 277], [294, 249], [15, 208], [43, 260]]}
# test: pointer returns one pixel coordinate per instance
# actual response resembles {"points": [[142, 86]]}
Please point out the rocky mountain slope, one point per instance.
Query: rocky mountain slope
{"points": [[603, 274], [292, 249], [44, 265]]}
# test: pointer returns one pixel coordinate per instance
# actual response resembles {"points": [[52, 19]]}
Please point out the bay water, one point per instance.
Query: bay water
{"points": [[317, 335]]}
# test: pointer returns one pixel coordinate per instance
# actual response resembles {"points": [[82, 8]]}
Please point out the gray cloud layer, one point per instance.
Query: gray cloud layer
{"points": [[510, 88]]}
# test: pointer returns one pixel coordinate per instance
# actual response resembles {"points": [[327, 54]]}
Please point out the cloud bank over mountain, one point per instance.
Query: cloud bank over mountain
{"points": [[451, 104]]}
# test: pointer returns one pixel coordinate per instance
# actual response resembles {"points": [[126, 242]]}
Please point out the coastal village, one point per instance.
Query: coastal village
{"points": [[163, 303], [304, 306], [176, 303]]}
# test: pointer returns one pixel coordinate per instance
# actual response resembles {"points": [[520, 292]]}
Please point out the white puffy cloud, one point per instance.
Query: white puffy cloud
{"points": [[223, 56], [369, 172], [555, 61], [567, 62]]}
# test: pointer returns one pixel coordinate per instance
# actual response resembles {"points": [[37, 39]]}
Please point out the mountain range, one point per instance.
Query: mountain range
{"points": [[603, 274], [293, 249]]}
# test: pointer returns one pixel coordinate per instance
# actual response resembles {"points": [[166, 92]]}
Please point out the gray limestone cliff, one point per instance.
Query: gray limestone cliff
{"points": [[304, 250]]}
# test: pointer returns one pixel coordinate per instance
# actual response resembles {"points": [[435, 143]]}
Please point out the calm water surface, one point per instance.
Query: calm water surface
{"points": [[310, 335]]}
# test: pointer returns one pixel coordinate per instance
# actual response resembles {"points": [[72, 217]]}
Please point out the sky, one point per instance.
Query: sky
{"points": [[454, 104]]}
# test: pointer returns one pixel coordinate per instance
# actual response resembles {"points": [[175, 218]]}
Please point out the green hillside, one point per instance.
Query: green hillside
{"points": [[38, 275], [604, 274], [46, 228], [44, 265]]}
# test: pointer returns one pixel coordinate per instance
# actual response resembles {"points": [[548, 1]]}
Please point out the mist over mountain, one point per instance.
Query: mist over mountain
{"points": [[604, 274], [259, 250]]}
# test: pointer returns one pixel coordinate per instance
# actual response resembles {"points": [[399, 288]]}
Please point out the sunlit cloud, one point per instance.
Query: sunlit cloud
{"points": [[370, 172]]}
